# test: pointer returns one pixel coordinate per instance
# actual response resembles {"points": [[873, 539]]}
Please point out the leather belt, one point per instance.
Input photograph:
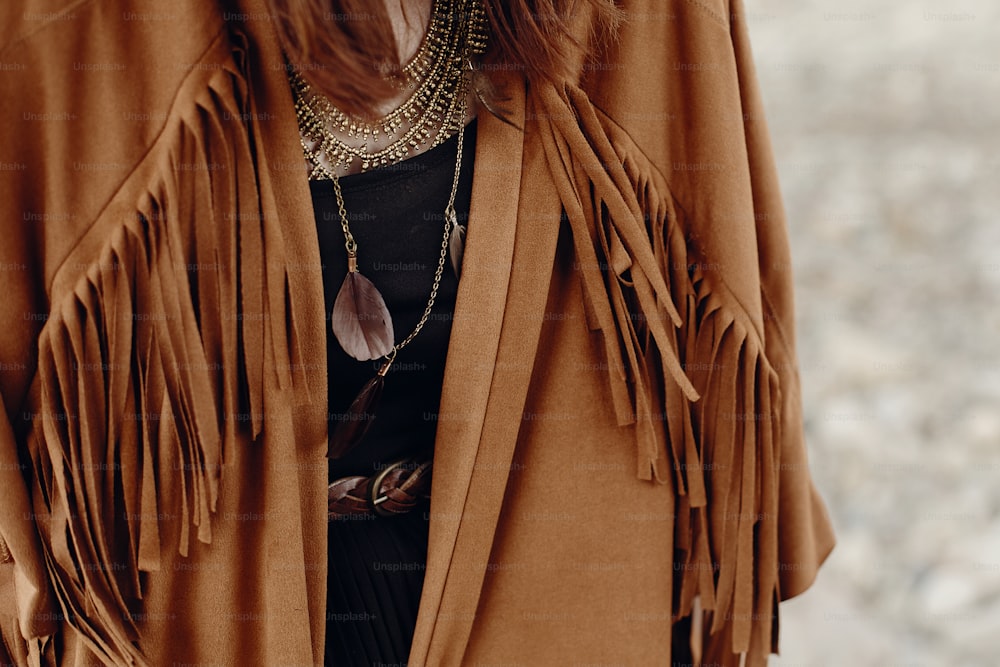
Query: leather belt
{"points": [[396, 489]]}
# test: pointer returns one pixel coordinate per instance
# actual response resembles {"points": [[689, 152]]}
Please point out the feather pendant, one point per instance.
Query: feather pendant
{"points": [[360, 318], [456, 245], [358, 419]]}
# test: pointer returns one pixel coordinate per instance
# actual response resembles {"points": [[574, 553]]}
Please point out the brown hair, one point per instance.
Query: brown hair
{"points": [[340, 46]]}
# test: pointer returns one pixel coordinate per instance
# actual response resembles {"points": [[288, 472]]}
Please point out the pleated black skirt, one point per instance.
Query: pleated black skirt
{"points": [[373, 592]]}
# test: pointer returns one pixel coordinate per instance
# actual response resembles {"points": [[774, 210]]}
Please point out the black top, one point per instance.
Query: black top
{"points": [[396, 215]]}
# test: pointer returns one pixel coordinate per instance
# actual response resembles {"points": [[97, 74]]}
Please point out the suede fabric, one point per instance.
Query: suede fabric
{"points": [[619, 442]]}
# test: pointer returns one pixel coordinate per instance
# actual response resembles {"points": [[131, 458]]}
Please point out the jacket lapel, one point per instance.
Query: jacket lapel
{"points": [[513, 227]]}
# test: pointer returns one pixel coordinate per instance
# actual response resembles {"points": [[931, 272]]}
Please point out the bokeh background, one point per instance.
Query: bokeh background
{"points": [[885, 119]]}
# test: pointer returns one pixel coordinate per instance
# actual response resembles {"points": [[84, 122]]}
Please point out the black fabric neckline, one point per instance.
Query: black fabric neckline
{"points": [[384, 176]]}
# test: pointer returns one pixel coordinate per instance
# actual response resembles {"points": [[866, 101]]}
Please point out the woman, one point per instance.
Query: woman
{"points": [[617, 440]]}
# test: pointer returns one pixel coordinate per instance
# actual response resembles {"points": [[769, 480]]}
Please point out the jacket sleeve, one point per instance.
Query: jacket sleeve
{"points": [[672, 113], [805, 531], [28, 609], [143, 245]]}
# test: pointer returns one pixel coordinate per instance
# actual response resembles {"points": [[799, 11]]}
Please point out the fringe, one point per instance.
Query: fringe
{"points": [[722, 430], [141, 367]]}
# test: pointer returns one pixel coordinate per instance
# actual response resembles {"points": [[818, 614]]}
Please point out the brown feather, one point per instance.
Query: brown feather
{"points": [[358, 420], [456, 247], [361, 320]]}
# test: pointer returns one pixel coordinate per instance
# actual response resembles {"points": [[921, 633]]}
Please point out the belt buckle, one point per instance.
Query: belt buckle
{"points": [[375, 499]]}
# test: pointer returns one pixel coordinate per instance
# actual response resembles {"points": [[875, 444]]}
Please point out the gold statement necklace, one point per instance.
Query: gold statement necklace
{"points": [[434, 112]]}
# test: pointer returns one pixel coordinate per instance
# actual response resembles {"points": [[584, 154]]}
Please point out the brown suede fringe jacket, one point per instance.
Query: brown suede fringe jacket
{"points": [[620, 440]]}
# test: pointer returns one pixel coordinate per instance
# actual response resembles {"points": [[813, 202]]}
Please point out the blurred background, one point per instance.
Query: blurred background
{"points": [[885, 119]]}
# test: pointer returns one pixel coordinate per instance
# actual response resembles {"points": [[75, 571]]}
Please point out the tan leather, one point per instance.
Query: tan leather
{"points": [[402, 486]]}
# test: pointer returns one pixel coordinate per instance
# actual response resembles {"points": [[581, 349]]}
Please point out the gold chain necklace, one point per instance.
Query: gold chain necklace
{"points": [[360, 319], [363, 326], [431, 113]]}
